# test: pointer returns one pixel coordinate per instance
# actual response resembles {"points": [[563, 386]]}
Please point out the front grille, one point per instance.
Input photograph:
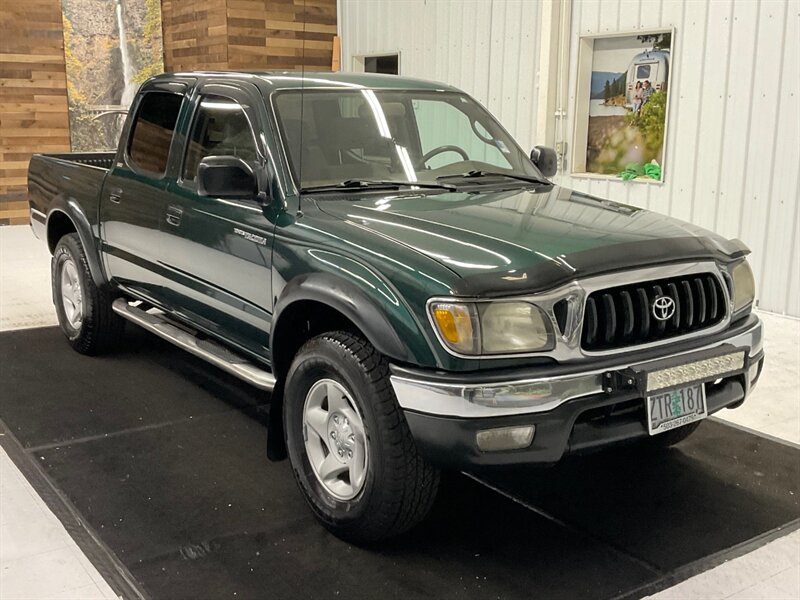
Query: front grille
{"points": [[623, 316]]}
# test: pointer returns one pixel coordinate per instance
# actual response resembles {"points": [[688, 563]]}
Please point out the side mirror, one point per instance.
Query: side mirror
{"points": [[545, 159], [226, 177]]}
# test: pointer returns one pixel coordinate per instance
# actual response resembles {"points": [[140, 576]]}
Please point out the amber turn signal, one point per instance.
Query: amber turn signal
{"points": [[457, 325]]}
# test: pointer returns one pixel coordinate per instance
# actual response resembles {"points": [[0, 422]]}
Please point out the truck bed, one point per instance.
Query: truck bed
{"points": [[56, 180]]}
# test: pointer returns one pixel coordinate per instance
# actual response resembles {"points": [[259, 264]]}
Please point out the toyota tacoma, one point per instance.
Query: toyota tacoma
{"points": [[411, 287]]}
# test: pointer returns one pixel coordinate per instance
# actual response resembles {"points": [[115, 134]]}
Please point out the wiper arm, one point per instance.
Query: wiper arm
{"points": [[372, 184], [480, 173]]}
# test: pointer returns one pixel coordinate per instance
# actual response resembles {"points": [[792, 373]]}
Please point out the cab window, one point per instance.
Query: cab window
{"points": [[152, 129], [220, 128]]}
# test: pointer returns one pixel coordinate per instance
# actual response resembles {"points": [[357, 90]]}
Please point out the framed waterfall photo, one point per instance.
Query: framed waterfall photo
{"points": [[111, 47], [622, 105]]}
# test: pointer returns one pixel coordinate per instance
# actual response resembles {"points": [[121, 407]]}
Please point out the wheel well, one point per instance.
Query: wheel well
{"points": [[58, 225], [299, 322]]}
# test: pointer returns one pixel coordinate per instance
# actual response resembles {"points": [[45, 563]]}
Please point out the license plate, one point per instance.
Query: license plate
{"points": [[678, 407]]}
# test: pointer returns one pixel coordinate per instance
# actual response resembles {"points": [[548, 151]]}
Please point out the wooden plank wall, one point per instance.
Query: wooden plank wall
{"points": [[207, 34], [281, 34], [33, 96], [195, 34], [248, 34]]}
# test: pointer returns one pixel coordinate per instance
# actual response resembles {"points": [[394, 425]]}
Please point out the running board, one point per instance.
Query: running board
{"points": [[209, 350]]}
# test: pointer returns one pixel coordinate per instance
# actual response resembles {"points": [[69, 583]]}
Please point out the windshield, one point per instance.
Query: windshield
{"points": [[398, 135]]}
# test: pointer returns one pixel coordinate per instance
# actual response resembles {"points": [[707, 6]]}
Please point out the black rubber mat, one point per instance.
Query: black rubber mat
{"points": [[164, 459]]}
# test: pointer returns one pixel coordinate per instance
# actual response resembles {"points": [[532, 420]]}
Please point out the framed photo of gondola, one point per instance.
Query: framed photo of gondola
{"points": [[622, 105]]}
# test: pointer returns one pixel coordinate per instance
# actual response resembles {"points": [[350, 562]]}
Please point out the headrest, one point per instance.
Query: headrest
{"points": [[353, 132], [391, 110]]}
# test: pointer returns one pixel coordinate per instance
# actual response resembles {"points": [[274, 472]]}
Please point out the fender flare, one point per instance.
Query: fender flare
{"points": [[350, 300], [73, 211], [356, 305]]}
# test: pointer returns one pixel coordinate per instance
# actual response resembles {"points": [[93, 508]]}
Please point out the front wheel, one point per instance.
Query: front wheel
{"points": [[350, 448]]}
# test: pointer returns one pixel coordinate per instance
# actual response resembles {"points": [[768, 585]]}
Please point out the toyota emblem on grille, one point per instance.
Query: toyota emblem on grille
{"points": [[663, 308]]}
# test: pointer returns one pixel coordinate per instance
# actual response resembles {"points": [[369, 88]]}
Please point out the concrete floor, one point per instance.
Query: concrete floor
{"points": [[38, 558]]}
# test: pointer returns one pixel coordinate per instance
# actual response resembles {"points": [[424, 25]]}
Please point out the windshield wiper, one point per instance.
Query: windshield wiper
{"points": [[372, 184], [480, 173]]}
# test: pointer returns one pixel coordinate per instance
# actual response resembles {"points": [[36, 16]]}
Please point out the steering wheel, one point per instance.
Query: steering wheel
{"points": [[441, 149]]}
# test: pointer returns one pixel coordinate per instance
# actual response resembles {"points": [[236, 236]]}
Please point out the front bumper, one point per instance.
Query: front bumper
{"points": [[573, 408]]}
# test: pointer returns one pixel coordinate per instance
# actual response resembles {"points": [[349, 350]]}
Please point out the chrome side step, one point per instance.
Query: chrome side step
{"points": [[209, 350]]}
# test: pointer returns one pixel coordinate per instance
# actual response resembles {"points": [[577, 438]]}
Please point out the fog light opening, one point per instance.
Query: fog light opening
{"points": [[752, 373], [505, 438]]}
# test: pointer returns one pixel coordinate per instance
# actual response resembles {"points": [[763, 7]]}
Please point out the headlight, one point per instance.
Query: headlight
{"points": [[744, 286], [487, 328], [508, 327]]}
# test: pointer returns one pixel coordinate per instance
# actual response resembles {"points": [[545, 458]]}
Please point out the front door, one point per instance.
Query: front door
{"points": [[219, 251]]}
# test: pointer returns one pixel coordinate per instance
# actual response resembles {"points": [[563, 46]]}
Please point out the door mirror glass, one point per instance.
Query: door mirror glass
{"points": [[545, 159], [226, 177]]}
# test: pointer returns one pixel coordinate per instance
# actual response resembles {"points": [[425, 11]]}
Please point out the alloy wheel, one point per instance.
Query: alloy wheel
{"points": [[335, 439], [71, 294]]}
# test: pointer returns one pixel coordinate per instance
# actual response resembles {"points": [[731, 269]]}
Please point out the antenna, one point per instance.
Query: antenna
{"points": [[302, 110]]}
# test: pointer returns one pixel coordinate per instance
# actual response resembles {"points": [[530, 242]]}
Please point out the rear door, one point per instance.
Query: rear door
{"points": [[134, 195], [219, 251]]}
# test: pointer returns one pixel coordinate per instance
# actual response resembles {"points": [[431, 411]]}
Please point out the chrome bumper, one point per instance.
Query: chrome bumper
{"points": [[535, 395]]}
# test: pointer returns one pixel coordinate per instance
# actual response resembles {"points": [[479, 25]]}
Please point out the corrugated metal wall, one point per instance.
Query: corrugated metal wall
{"points": [[489, 49], [733, 146]]}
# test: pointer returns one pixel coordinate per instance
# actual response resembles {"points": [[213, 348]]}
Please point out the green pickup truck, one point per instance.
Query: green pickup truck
{"points": [[417, 295]]}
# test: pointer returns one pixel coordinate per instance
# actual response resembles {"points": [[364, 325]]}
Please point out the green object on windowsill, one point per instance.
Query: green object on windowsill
{"points": [[651, 170]]}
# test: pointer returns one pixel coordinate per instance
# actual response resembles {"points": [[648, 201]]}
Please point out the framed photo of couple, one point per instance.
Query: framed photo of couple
{"points": [[622, 105]]}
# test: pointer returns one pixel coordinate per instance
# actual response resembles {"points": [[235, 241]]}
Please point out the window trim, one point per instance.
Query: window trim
{"points": [[129, 160], [360, 61]]}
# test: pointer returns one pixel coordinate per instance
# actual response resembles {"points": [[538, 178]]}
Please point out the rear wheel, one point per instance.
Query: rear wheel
{"points": [[350, 448], [84, 310]]}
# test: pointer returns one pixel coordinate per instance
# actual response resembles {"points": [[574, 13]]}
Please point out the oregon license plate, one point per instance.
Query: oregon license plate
{"points": [[678, 407]]}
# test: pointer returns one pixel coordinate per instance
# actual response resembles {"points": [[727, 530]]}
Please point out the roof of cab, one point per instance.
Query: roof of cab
{"points": [[278, 80]]}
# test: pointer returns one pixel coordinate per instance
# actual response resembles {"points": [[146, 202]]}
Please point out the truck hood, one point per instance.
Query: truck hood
{"points": [[500, 242]]}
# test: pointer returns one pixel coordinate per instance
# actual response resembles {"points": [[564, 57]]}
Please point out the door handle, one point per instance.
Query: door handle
{"points": [[174, 214], [115, 196]]}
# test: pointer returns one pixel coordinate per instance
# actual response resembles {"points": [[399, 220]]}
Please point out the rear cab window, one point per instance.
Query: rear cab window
{"points": [[642, 71], [152, 130]]}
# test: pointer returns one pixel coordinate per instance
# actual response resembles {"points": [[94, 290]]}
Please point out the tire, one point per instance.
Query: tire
{"points": [[84, 310], [672, 437], [398, 487]]}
